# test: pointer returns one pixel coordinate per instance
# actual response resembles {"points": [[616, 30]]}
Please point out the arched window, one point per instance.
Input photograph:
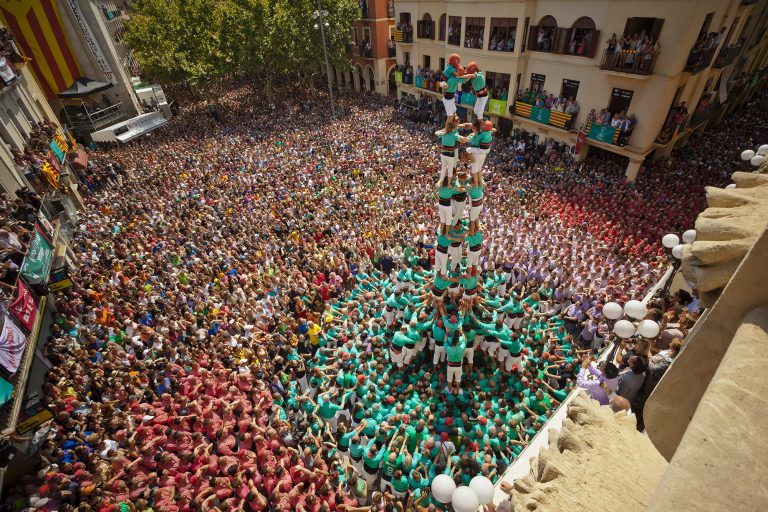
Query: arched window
{"points": [[585, 22], [541, 36], [583, 38], [548, 21], [426, 27], [442, 27]]}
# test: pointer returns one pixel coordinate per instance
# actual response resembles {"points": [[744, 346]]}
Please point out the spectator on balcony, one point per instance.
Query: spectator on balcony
{"points": [[572, 107]]}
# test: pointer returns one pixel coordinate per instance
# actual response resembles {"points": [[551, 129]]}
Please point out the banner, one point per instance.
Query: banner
{"points": [[24, 308], [60, 153], [6, 70], [581, 139], [38, 261], [419, 81], [41, 36], [60, 279], [12, 343], [602, 132], [398, 77], [91, 42], [540, 115], [497, 107]]}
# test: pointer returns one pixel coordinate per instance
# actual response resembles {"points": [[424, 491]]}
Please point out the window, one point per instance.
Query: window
{"points": [[620, 100], [582, 38], [542, 36], [390, 8], [525, 33], [441, 37], [475, 31], [442, 63], [354, 35], [569, 89], [426, 27], [406, 27], [537, 83], [454, 30], [642, 27], [503, 34], [498, 85], [427, 61], [407, 58]]}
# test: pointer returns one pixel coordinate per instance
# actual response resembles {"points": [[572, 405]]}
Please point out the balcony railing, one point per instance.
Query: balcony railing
{"points": [[727, 56], [702, 116], [82, 119], [365, 52], [699, 59], [629, 61], [544, 116], [403, 36]]}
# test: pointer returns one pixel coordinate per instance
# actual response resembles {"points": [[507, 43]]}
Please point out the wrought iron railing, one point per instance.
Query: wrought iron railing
{"points": [[629, 61]]}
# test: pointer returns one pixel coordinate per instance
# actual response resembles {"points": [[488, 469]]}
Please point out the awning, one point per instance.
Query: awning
{"points": [[128, 130], [84, 87]]}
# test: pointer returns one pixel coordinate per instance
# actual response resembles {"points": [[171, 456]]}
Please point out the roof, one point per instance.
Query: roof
{"points": [[84, 87]]}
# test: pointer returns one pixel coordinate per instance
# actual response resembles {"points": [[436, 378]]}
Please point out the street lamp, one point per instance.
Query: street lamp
{"points": [[756, 158], [319, 16], [628, 322]]}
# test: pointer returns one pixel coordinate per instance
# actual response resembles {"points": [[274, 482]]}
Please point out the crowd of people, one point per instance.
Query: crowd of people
{"points": [[262, 318], [560, 103]]}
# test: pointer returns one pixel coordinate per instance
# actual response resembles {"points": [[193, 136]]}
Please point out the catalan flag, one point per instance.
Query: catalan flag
{"points": [[39, 33]]}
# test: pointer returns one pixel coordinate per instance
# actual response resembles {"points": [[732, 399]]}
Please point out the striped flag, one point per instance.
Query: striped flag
{"points": [[39, 33]]}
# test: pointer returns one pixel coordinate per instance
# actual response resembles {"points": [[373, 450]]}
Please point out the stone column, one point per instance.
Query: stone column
{"points": [[632, 169]]}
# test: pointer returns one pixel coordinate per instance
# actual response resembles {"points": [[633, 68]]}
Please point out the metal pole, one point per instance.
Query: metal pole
{"points": [[325, 56]]}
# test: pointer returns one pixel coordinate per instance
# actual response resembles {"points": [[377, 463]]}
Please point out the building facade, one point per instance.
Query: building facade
{"points": [[664, 68], [372, 51]]}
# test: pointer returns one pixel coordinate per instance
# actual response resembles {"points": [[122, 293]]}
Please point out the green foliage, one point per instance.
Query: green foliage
{"points": [[198, 40]]}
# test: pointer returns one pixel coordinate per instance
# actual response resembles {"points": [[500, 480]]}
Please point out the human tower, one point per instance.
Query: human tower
{"points": [[452, 328]]}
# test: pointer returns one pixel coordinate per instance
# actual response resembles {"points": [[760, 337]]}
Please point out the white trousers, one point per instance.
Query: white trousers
{"points": [[446, 214], [454, 254], [450, 106], [473, 258], [439, 356], [480, 106], [457, 210], [441, 262], [478, 159], [454, 374], [447, 164]]}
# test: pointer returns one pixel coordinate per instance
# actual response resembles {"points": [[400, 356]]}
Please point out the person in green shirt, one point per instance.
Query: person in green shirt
{"points": [[479, 88], [449, 139], [455, 355]]}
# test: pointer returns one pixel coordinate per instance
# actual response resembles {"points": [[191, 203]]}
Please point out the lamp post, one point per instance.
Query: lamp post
{"points": [[672, 242], [628, 322], [756, 158], [319, 15]]}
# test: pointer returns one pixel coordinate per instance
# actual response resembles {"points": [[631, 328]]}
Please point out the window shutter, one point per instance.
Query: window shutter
{"points": [[593, 44]]}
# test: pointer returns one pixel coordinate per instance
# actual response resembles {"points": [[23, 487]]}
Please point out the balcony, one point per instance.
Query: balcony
{"points": [[629, 61], [392, 51], [727, 57], [365, 51], [607, 134], [82, 119], [403, 36], [699, 59], [362, 10], [705, 114], [543, 116]]}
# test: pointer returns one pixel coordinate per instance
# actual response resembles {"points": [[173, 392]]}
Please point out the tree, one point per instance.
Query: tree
{"points": [[271, 40]]}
